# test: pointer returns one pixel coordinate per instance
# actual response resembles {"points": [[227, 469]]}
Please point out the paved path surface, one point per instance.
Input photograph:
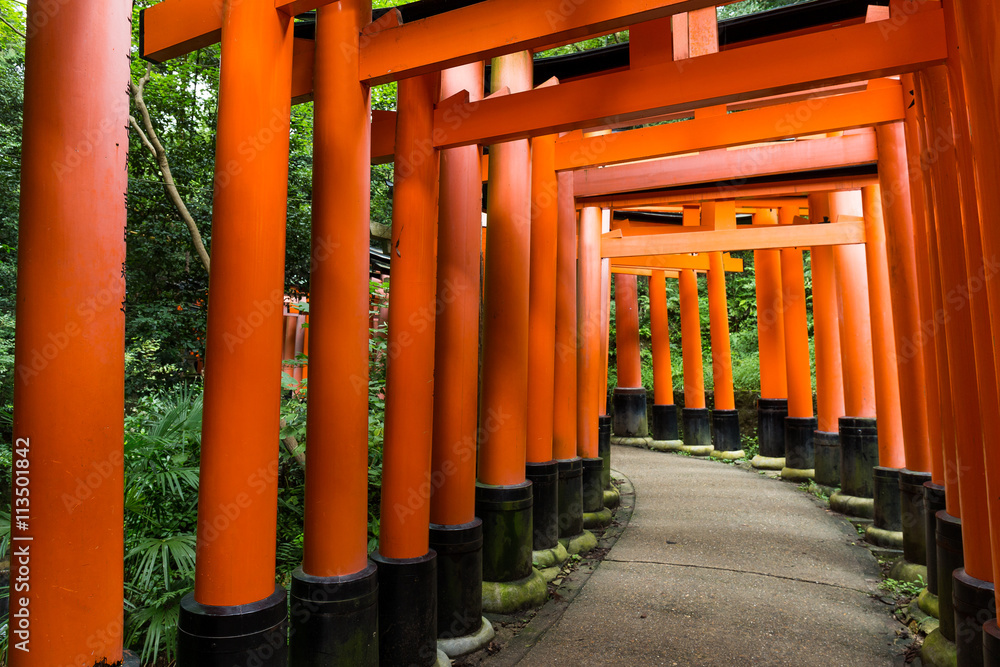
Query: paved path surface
{"points": [[720, 566]]}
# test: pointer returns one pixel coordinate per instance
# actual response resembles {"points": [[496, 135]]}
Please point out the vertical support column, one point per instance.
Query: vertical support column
{"points": [[725, 419], [800, 424], [886, 530], [629, 423], [456, 534], [772, 407], [336, 573], [826, 339], [407, 566], [503, 495], [70, 339], [588, 359], [665, 434], [697, 429], [236, 603], [604, 419]]}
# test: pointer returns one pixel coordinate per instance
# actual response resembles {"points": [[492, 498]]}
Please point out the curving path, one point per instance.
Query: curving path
{"points": [[720, 566]]}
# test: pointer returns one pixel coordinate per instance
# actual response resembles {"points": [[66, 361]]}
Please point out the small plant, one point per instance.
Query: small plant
{"points": [[903, 589], [812, 487]]}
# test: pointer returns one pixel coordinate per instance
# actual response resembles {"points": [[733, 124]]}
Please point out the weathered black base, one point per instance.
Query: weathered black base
{"points": [[888, 515], [933, 503], [665, 422], [570, 497], [506, 512], [544, 478], [407, 609], [912, 515], [771, 413], [950, 557], [334, 620], [974, 601], [697, 427], [991, 644], [459, 578], [858, 456], [726, 431], [604, 448], [826, 452], [593, 491], [799, 452], [210, 636], [628, 406]]}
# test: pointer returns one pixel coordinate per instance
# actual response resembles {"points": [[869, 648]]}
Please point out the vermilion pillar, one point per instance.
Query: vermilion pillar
{"points": [[503, 496], [335, 563], [800, 423], [697, 430], [456, 533], [70, 341], [826, 339], [772, 408], [406, 564], [629, 423], [858, 428], [664, 409], [239, 457], [588, 357], [725, 419]]}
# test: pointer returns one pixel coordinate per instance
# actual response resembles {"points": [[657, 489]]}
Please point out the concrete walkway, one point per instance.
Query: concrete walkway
{"points": [[720, 566]]}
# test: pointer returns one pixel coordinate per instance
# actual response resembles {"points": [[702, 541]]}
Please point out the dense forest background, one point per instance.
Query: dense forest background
{"points": [[167, 288]]}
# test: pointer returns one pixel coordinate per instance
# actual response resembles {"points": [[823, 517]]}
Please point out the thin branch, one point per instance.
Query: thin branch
{"points": [[147, 135], [11, 26]]}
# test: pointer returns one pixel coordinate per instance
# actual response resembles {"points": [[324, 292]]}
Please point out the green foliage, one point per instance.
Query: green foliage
{"points": [[903, 589], [745, 7], [751, 445]]}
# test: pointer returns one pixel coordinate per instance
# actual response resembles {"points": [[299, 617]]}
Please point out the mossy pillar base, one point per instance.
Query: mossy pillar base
{"points": [[858, 458], [407, 610], [886, 530], [913, 515], [212, 636], [933, 503], [991, 643], [800, 459], [697, 431], [950, 557], [604, 448], [594, 513], [506, 513], [726, 434], [334, 620], [771, 413], [628, 407], [570, 497], [974, 602], [826, 452], [459, 578], [544, 478], [665, 423]]}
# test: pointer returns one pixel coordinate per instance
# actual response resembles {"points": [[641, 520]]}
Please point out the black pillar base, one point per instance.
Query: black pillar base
{"points": [[570, 497], [697, 431], [604, 448], [858, 456], [506, 512], [459, 578], [407, 609], [912, 515], [726, 431], [629, 412], [933, 503], [544, 478], [211, 636], [991, 643], [826, 451], [800, 458], [886, 530], [334, 620], [593, 492], [665, 422], [771, 413], [950, 557], [974, 602]]}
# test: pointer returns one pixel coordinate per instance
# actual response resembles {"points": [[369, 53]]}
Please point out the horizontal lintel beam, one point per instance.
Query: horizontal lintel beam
{"points": [[678, 262]]}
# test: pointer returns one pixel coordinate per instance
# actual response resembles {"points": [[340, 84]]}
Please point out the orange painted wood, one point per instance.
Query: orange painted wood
{"points": [[337, 419], [383, 134], [663, 377], [819, 59], [303, 70], [722, 362], [605, 332], [728, 165], [793, 301], [814, 116], [891, 453], [409, 404], [172, 28], [296, 7], [627, 331], [566, 345], [826, 327], [650, 43], [770, 322], [697, 262], [456, 342], [756, 238], [588, 308], [694, 378]]}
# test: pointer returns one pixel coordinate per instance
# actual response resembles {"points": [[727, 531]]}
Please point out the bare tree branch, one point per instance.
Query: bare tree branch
{"points": [[147, 135], [11, 26], [292, 445]]}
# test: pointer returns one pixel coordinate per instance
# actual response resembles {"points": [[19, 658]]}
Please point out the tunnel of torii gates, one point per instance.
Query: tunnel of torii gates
{"points": [[866, 136]]}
